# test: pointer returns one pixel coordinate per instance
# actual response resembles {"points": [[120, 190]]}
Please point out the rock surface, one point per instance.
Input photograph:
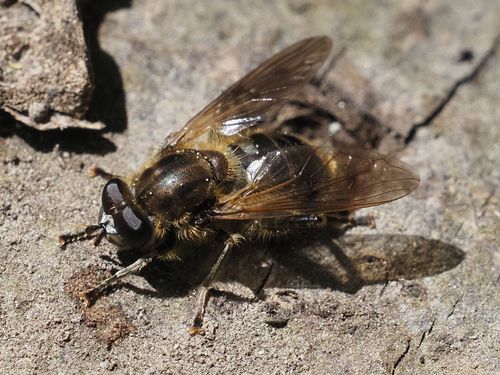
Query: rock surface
{"points": [[418, 294], [45, 80]]}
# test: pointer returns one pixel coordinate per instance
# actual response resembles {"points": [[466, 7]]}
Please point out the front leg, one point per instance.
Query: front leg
{"points": [[204, 296], [91, 295], [96, 171]]}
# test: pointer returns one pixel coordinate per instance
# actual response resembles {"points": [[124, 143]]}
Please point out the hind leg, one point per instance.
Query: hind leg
{"points": [[345, 220], [282, 228]]}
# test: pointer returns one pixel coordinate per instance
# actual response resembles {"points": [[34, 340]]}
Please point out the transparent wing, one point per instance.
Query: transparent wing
{"points": [[304, 179], [260, 93]]}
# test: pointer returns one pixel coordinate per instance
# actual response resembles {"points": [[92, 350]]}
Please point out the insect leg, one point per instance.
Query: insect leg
{"points": [[91, 295], [88, 233], [346, 220], [306, 220], [96, 171], [204, 296], [365, 221], [281, 228]]}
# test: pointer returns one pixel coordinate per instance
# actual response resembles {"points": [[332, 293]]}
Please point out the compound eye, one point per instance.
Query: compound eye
{"points": [[113, 195], [133, 226]]}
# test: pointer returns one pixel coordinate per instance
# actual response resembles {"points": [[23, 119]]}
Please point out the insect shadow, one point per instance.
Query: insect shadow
{"points": [[353, 261], [107, 104], [321, 260]]}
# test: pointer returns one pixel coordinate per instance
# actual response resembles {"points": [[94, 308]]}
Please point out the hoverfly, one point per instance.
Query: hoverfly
{"points": [[224, 177]]}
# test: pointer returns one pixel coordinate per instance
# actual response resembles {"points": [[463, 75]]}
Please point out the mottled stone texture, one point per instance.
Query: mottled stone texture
{"points": [[45, 80], [416, 295]]}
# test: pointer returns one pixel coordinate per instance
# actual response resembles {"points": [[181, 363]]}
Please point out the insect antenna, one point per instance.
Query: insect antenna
{"points": [[88, 233]]}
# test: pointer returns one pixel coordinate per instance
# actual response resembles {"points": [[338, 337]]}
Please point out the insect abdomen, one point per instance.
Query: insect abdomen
{"points": [[278, 155], [259, 145]]}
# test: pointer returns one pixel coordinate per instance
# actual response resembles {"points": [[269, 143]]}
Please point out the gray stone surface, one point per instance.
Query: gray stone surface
{"points": [[418, 294], [45, 80]]}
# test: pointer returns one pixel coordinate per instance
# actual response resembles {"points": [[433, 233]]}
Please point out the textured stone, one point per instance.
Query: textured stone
{"points": [[45, 81], [418, 294]]}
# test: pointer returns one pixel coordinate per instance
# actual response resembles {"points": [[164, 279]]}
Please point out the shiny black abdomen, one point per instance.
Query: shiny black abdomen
{"points": [[259, 145], [278, 160]]}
